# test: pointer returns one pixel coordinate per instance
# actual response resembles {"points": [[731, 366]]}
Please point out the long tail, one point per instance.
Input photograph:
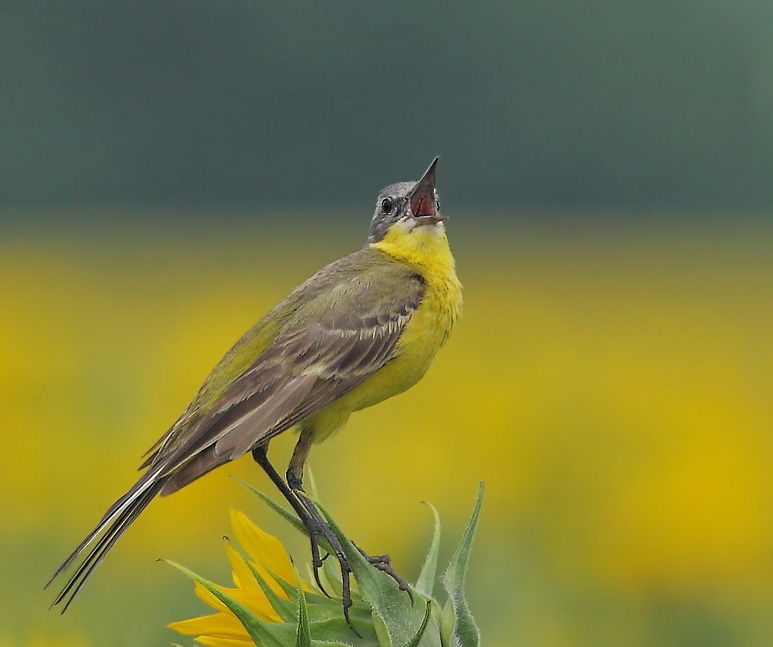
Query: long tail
{"points": [[117, 519]]}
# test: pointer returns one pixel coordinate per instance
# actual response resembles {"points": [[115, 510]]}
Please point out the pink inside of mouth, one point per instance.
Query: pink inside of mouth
{"points": [[422, 205]]}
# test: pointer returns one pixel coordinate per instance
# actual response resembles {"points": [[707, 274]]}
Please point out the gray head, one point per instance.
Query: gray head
{"points": [[414, 203]]}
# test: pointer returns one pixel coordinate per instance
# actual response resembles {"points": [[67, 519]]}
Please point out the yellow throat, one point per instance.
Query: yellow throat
{"points": [[426, 249]]}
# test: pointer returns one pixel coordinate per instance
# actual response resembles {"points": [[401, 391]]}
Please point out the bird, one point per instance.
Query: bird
{"points": [[363, 329]]}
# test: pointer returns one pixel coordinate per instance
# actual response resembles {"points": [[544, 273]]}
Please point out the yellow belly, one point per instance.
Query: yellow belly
{"points": [[423, 336]]}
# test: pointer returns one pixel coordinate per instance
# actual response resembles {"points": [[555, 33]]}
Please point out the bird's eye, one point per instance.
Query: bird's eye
{"points": [[386, 205]]}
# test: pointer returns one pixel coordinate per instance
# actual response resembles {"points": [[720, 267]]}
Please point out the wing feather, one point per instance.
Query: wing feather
{"points": [[241, 437], [313, 361]]}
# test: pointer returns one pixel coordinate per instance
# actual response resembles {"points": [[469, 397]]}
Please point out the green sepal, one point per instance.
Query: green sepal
{"points": [[456, 618], [426, 580], [437, 619], [266, 634], [303, 635], [288, 588], [283, 512], [447, 625], [336, 630], [283, 608], [414, 642], [280, 510], [395, 619], [324, 613]]}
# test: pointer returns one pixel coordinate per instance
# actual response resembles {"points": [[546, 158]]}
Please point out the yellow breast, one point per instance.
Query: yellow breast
{"points": [[426, 250]]}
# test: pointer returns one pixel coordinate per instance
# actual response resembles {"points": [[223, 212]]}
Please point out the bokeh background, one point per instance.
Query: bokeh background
{"points": [[169, 170]]}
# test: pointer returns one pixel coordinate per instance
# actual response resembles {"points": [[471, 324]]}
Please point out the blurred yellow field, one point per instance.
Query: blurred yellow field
{"points": [[611, 384]]}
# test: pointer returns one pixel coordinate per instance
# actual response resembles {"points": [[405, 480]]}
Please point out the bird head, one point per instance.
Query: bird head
{"points": [[410, 205]]}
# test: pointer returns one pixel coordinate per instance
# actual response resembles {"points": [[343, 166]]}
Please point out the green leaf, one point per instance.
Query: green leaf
{"points": [[437, 624], [463, 624], [281, 510], [448, 624], [393, 613], [283, 608], [414, 642], [265, 634], [425, 582], [303, 635], [322, 609], [288, 588], [336, 630]]}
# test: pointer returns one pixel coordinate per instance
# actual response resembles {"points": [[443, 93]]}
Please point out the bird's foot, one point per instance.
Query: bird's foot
{"points": [[384, 563], [317, 526]]}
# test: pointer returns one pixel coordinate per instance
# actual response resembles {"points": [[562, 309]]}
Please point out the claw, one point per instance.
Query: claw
{"points": [[317, 525], [315, 570], [346, 597], [316, 560], [384, 564]]}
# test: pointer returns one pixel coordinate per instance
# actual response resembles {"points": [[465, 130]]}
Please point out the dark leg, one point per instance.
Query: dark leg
{"points": [[298, 461], [261, 458], [295, 481], [315, 525], [294, 478]]}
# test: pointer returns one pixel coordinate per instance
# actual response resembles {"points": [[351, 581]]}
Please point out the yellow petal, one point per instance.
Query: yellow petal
{"points": [[242, 575], [248, 591], [272, 583], [209, 598], [224, 642], [262, 547], [217, 625], [256, 603]]}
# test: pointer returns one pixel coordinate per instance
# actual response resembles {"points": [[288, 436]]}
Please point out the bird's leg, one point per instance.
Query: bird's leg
{"points": [[261, 458], [295, 481], [315, 525], [294, 478], [298, 461]]}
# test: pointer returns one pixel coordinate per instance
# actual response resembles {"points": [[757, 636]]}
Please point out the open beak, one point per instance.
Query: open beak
{"points": [[422, 198]]}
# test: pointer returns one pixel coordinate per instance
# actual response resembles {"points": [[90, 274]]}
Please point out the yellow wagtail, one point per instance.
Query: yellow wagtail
{"points": [[361, 330]]}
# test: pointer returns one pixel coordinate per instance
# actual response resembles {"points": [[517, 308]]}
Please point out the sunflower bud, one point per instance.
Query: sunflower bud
{"points": [[270, 605]]}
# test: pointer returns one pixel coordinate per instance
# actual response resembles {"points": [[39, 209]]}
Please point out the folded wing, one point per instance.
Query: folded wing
{"points": [[310, 364]]}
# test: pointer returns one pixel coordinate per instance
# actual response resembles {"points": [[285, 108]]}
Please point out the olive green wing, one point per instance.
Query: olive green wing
{"points": [[334, 332], [233, 364], [329, 335]]}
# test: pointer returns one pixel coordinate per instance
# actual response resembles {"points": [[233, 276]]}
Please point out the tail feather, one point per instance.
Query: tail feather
{"points": [[115, 522]]}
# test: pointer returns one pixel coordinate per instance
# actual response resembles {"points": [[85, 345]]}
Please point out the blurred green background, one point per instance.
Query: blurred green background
{"points": [[169, 170]]}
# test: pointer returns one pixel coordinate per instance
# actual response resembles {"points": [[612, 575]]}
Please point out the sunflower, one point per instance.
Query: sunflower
{"points": [[271, 606], [268, 557]]}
